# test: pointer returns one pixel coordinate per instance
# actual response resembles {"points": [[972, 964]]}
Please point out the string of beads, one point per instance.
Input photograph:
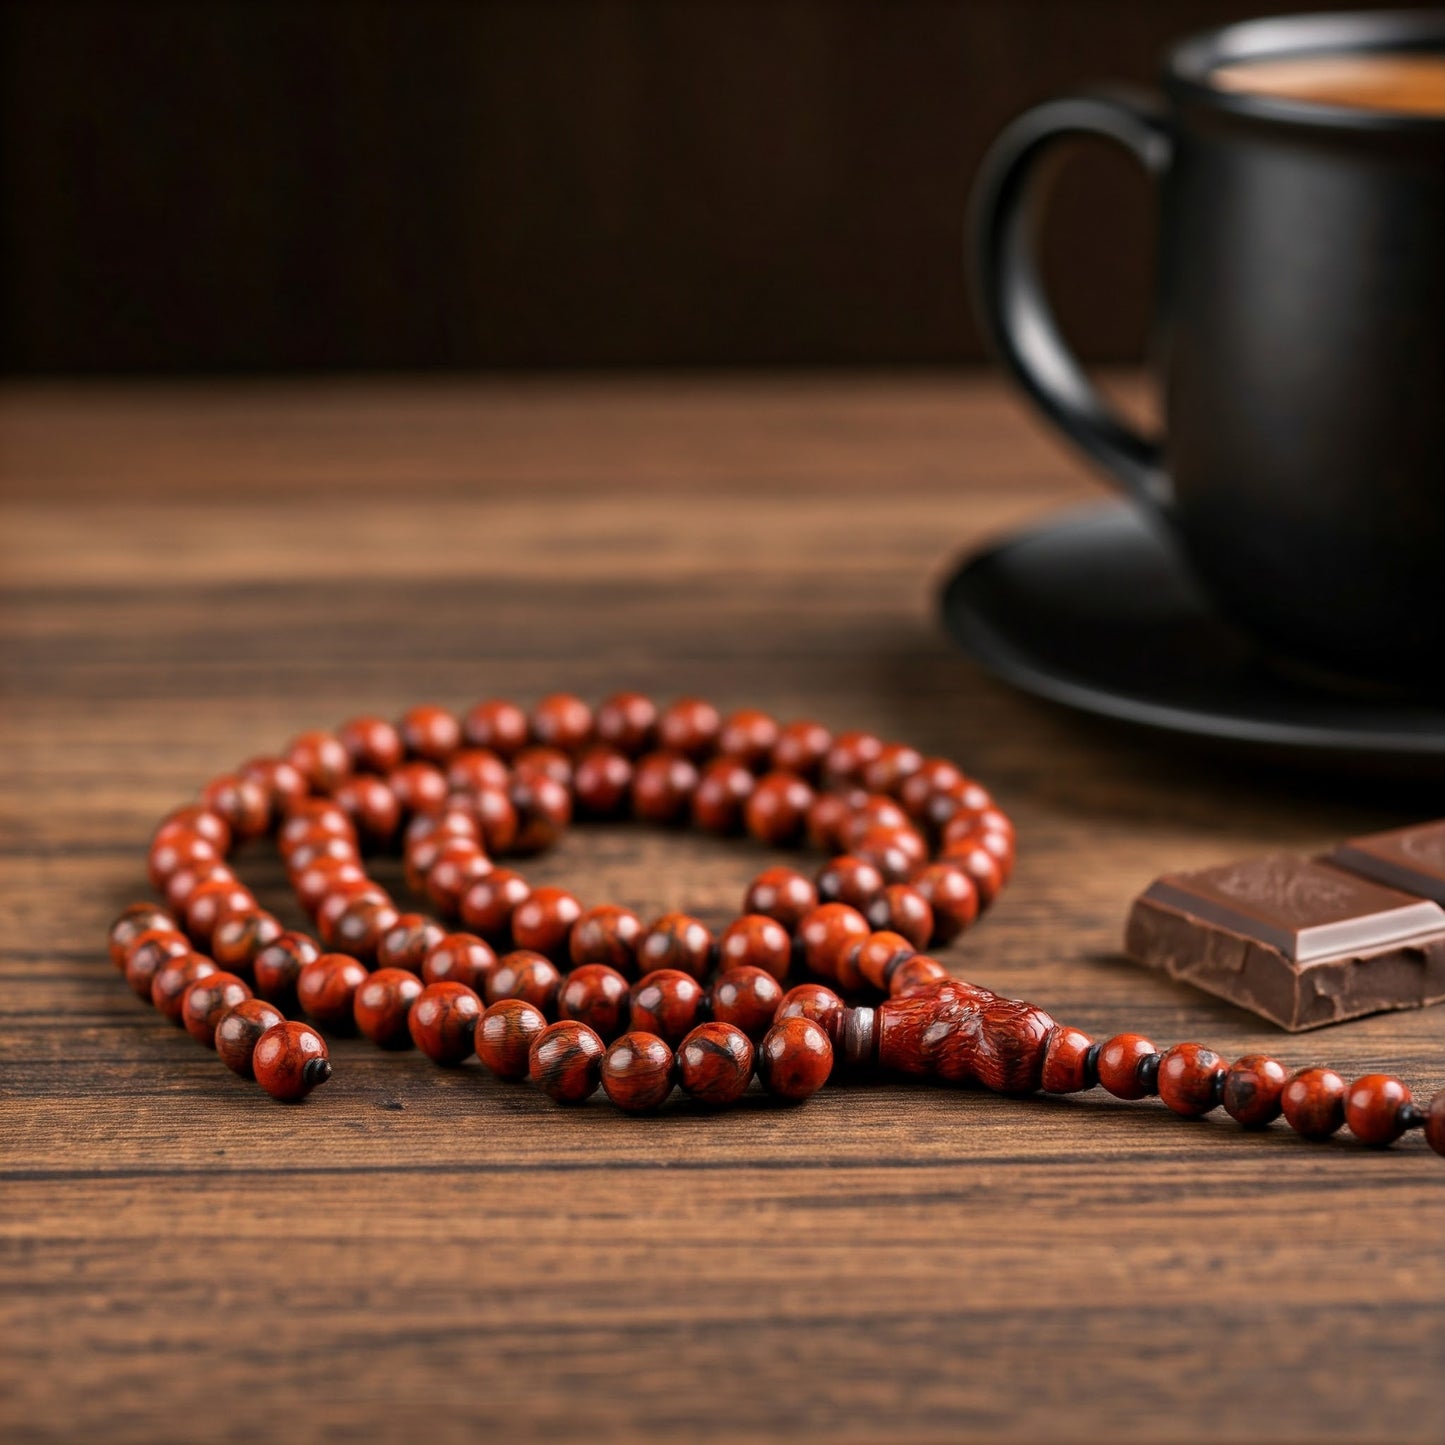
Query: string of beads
{"points": [[576, 998]]}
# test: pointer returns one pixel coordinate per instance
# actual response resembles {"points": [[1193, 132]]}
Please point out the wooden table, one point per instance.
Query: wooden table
{"points": [[192, 574]]}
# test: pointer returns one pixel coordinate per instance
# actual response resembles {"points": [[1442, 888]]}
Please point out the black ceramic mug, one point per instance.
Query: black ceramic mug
{"points": [[1300, 338]]}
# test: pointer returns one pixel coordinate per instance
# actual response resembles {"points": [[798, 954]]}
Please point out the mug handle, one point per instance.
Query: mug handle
{"points": [[1006, 211]]}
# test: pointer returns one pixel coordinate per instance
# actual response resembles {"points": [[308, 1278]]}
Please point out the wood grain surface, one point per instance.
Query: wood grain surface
{"points": [[190, 575]]}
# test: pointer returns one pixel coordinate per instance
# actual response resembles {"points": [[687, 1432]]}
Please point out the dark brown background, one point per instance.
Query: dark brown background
{"points": [[239, 184]]}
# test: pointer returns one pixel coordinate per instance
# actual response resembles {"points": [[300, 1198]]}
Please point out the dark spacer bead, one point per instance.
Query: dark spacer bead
{"points": [[1411, 1116], [1091, 1066], [1148, 1074]]}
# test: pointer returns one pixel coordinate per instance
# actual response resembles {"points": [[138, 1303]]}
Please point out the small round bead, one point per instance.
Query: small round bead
{"points": [[801, 748], [196, 819], [901, 908], [783, 894], [173, 978], [825, 820], [637, 1072], [500, 726], [241, 935], [893, 766], [183, 883], [777, 810], [689, 726], [602, 782], [208, 902], [289, 1060], [474, 769], [408, 941], [565, 1061], [675, 941], [715, 1064], [748, 737], [1066, 1068], [826, 933], [372, 744], [550, 762], [873, 810], [243, 802], [1373, 1105], [360, 926], [239, 1028], [814, 1001], [897, 853], [1313, 1101], [382, 1004], [279, 964], [1435, 1123], [952, 896], [721, 796], [747, 998], [1191, 1078], [663, 785], [794, 1059], [850, 753], [667, 1003], [627, 721], [596, 996], [1119, 1065], [458, 864], [756, 941], [504, 1034], [914, 975], [1252, 1089], [933, 776], [606, 935], [326, 989], [543, 922], [139, 918], [321, 759], [430, 733], [877, 957], [313, 815], [206, 1000], [544, 809], [488, 905], [372, 805], [418, 787], [443, 1021], [523, 974], [180, 850], [982, 868], [319, 847], [854, 881], [562, 721], [460, 958], [283, 785], [497, 818]]}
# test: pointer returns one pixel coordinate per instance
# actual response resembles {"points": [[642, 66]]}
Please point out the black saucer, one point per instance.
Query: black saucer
{"points": [[1094, 609]]}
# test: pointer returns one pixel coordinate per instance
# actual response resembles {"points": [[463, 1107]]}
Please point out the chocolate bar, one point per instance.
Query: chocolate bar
{"points": [[1411, 859], [1301, 942]]}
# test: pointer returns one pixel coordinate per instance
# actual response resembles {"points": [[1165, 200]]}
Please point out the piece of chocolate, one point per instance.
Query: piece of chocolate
{"points": [[1410, 859], [1299, 942]]}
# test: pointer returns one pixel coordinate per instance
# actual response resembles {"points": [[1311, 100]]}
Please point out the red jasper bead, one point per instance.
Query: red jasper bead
{"points": [[897, 853], [382, 1005], [550, 762], [872, 811], [689, 726], [372, 805], [565, 1061], [715, 1064], [627, 721], [794, 1059], [952, 895], [498, 820], [241, 935], [783, 894], [901, 908], [173, 978], [778, 808], [749, 737], [319, 847], [825, 820], [313, 815], [637, 1072], [602, 782], [801, 748], [1252, 1089], [607, 935], [876, 957], [443, 1022], [500, 726], [816, 1002], [722, 794], [239, 1029], [562, 721], [360, 926], [475, 769], [203, 1003], [208, 902], [747, 998], [1313, 1101], [849, 754], [504, 1036], [321, 759], [933, 776], [667, 1003], [981, 866], [663, 785], [283, 786], [430, 733], [544, 809], [488, 905], [139, 918], [854, 881], [460, 958], [827, 933], [326, 989], [1119, 1066], [1191, 1078], [243, 802], [893, 766], [675, 941], [179, 850], [195, 819], [1435, 1123], [459, 863], [526, 975], [408, 941], [372, 744], [183, 883], [419, 787], [914, 975], [756, 941], [289, 1060], [597, 996], [1066, 1062], [543, 922], [278, 965], [1373, 1105]]}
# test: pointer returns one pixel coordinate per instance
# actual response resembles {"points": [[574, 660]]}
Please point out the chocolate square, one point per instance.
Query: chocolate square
{"points": [[1411, 859]]}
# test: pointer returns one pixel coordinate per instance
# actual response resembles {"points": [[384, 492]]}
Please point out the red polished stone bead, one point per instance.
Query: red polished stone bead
{"points": [[893, 766], [914, 975], [602, 783], [289, 1060], [933, 776], [371, 805], [550, 762], [794, 1059], [241, 934], [526, 975], [562, 721], [430, 733], [419, 787], [487, 906], [207, 998], [663, 785], [504, 1035], [239, 1029], [184, 882], [826, 934], [783, 894], [1435, 1123], [597, 996], [675, 941], [689, 726], [801, 748], [897, 853], [195, 819], [870, 811], [748, 737], [500, 726], [453, 821], [321, 758], [460, 958], [1252, 1089], [326, 989], [1191, 1077], [778, 808], [544, 809], [459, 863], [543, 922], [279, 964], [981, 866], [849, 754], [408, 941], [497, 819], [608, 935], [638, 1072], [814, 1001], [722, 794], [475, 769], [1372, 1109], [443, 1022], [320, 847], [667, 1003], [372, 744], [747, 998], [627, 721], [338, 900], [360, 926], [953, 897], [825, 820], [901, 908], [137, 919], [1119, 1062], [326, 875], [283, 785], [177, 851], [876, 957], [242, 802], [756, 941], [1066, 1061], [1313, 1101], [310, 816], [207, 904], [854, 881], [715, 1064], [383, 1004], [565, 1061], [173, 978]]}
